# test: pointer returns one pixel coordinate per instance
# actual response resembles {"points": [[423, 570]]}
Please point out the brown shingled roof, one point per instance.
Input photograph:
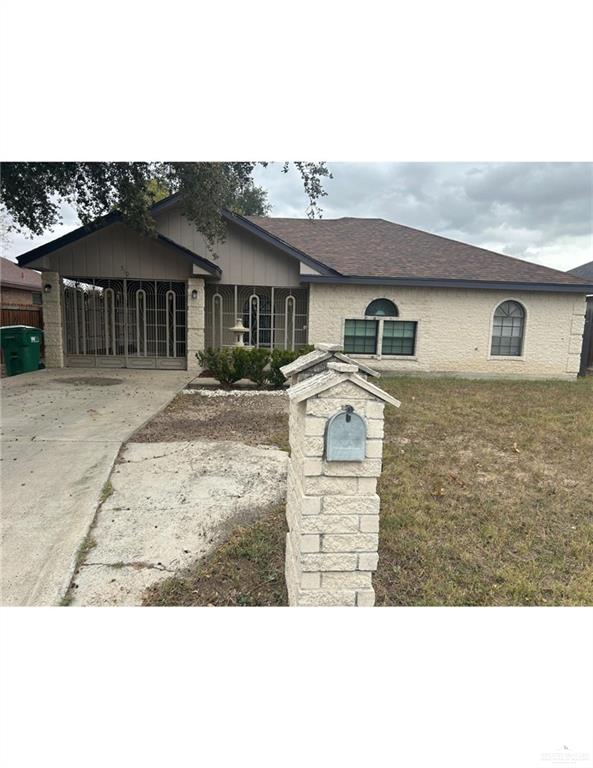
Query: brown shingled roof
{"points": [[585, 270], [380, 248]]}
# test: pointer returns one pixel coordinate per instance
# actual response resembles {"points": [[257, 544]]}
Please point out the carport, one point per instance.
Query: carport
{"points": [[124, 323], [113, 298]]}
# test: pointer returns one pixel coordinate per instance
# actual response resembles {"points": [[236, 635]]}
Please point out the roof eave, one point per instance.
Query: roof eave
{"points": [[429, 282], [68, 238]]}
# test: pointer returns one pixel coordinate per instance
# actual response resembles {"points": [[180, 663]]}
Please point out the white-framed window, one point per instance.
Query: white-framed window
{"points": [[380, 336], [508, 330]]}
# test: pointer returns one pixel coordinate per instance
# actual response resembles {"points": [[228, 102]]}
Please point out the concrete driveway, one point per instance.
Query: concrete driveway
{"points": [[61, 432]]}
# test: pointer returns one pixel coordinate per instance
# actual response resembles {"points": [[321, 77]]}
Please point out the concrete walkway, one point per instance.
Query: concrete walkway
{"points": [[172, 504], [61, 432]]}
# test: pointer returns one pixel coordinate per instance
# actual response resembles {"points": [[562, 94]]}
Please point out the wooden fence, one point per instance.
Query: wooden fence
{"points": [[21, 316]]}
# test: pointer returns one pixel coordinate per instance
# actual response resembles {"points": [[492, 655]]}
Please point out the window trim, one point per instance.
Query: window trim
{"points": [[516, 358], [378, 355]]}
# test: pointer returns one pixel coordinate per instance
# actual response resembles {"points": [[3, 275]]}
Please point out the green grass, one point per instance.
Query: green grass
{"points": [[86, 546], [486, 499], [106, 492]]}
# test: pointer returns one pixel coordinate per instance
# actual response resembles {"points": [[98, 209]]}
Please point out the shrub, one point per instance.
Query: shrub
{"points": [[256, 361], [226, 365], [258, 365], [280, 357]]}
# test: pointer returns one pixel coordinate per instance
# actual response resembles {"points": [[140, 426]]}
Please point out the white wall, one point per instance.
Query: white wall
{"points": [[454, 328]]}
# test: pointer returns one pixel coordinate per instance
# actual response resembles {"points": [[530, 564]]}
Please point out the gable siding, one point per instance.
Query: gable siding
{"points": [[117, 252], [243, 258]]}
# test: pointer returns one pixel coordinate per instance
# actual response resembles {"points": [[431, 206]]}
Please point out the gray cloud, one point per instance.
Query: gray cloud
{"points": [[541, 212], [537, 211]]}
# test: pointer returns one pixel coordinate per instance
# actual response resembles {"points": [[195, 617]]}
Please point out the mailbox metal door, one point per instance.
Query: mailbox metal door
{"points": [[345, 436]]}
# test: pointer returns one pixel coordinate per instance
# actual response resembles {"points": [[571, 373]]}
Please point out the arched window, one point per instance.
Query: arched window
{"points": [[508, 329], [257, 317], [381, 308]]}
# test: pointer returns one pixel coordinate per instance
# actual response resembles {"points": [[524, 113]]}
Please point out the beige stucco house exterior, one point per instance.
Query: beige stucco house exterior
{"points": [[407, 300]]}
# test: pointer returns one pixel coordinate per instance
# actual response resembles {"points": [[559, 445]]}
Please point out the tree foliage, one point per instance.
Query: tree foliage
{"points": [[33, 192]]}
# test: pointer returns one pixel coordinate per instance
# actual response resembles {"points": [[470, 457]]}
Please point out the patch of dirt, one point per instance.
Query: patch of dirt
{"points": [[246, 570], [93, 381], [255, 420]]}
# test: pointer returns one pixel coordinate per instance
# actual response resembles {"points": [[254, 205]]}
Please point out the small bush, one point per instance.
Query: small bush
{"points": [[256, 361], [258, 365], [281, 357], [226, 365]]}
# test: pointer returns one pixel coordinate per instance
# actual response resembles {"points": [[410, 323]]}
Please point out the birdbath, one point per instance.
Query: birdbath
{"points": [[239, 330]]}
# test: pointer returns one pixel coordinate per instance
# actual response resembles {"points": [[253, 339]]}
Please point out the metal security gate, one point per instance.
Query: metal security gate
{"points": [[125, 323], [274, 317]]}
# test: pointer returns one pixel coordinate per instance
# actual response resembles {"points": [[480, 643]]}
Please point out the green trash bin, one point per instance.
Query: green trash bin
{"points": [[21, 345]]}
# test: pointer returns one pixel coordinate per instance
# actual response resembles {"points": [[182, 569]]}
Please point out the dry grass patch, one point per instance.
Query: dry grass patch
{"points": [[254, 420], [486, 499], [487, 494]]}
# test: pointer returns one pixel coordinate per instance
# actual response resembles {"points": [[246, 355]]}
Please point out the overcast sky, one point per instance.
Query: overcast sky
{"points": [[542, 212]]}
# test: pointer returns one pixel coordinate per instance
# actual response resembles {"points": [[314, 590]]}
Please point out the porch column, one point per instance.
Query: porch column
{"points": [[53, 320], [195, 321]]}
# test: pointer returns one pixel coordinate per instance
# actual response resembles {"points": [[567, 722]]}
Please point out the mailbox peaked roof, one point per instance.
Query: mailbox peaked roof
{"points": [[321, 354], [331, 378]]}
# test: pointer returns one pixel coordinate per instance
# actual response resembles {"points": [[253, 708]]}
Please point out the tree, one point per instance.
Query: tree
{"points": [[33, 192], [252, 201]]}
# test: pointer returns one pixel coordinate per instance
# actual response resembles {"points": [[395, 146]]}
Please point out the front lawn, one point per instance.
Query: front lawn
{"points": [[486, 499]]}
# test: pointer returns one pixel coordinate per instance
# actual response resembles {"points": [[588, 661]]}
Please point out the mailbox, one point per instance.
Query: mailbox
{"points": [[345, 436]]}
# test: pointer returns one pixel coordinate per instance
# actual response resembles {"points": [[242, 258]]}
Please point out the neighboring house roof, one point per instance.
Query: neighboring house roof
{"points": [[377, 249], [585, 270], [101, 223], [14, 276]]}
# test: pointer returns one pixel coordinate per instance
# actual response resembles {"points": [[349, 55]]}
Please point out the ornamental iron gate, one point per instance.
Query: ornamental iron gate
{"points": [[125, 323], [274, 317]]}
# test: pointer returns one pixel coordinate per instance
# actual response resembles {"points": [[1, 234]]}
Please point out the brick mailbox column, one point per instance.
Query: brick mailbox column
{"points": [[332, 506]]}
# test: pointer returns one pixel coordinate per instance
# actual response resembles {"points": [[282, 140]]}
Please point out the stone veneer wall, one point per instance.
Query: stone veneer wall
{"points": [[332, 507], [195, 322], [455, 326], [53, 330]]}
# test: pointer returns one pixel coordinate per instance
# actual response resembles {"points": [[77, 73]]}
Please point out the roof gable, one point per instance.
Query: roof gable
{"points": [[102, 223]]}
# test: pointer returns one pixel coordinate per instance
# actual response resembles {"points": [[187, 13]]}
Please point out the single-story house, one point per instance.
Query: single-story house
{"points": [[19, 287], [585, 272], [407, 300]]}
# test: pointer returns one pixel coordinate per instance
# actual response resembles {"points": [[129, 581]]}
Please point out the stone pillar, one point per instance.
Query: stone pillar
{"points": [[332, 506], [53, 322], [195, 321]]}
